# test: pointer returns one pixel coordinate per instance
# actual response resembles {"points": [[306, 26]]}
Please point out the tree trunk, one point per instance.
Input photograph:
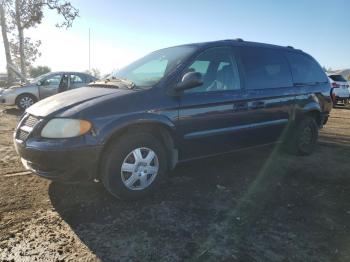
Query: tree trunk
{"points": [[20, 38], [10, 75]]}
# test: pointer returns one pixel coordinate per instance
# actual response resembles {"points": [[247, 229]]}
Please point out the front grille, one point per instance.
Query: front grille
{"points": [[22, 135], [30, 121], [26, 127]]}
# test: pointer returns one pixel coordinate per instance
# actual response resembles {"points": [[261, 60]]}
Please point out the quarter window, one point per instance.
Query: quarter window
{"points": [[305, 69], [219, 71], [265, 68]]}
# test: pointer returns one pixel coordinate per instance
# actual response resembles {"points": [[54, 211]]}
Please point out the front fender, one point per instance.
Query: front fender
{"points": [[32, 90], [115, 125]]}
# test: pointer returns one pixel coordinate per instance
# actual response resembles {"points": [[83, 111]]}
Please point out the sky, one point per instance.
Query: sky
{"points": [[122, 31]]}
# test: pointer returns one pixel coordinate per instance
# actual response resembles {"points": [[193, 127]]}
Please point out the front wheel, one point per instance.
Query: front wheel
{"points": [[24, 101], [133, 165], [303, 138]]}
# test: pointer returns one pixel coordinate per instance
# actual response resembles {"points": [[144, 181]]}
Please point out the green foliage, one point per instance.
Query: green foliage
{"points": [[94, 72], [31, 51], [38, 71], [329, 69], [20, 15]]}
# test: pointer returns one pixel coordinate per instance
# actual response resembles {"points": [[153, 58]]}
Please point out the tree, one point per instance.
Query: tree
{"points": [[31, 51], [348, 77], [24, 14], [329, 69], [38, 71], [4, 31], [94, 72]]}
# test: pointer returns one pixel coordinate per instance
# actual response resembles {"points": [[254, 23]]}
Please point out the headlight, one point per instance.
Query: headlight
{"points": [[7, 91], [64, 128]]}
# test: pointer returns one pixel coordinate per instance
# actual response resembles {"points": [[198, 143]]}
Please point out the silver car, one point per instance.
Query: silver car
{"points": [[340, 89], [43, 86]]}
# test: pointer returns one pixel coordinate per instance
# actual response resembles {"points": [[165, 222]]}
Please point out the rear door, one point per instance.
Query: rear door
{"points": [[76, 81], [269, 90], [49, 86]]}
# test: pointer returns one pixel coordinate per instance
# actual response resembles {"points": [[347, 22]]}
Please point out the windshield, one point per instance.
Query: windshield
{"points": [[39, 78], [150, 69]]}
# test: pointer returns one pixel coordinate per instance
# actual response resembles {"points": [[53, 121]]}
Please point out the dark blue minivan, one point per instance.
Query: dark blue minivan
{"points": [[174, 105]]}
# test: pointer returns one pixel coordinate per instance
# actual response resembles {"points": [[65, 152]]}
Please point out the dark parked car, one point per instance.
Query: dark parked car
{"points": [[43, 86], [174, 105]]}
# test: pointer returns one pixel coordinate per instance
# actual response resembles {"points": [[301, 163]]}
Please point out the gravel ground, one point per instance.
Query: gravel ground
{"points": [[255, 205]]}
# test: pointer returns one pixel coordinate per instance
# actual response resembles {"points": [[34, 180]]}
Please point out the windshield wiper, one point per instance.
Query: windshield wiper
{"points": [[130, 84], [114, 83]]}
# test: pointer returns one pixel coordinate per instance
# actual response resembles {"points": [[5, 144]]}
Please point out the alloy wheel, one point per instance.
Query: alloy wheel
{"points": [[139, 168], [26, 102]]}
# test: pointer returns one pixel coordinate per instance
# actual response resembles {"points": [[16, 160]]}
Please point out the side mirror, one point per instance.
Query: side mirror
{"points": [[189, 80]]}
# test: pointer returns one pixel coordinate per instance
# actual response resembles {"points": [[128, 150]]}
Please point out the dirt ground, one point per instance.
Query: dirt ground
{"points": [[255, 205]]}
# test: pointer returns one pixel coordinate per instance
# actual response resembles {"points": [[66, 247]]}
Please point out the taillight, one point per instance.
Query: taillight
{"points": [[335, 85]]}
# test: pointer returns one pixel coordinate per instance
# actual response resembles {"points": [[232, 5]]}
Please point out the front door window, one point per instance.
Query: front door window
{"points": [[219, 71], [52, 81]]}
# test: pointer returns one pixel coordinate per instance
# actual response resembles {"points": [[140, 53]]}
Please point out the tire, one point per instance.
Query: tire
{"points": [[25, 100], [303, 137], [125, 184]]}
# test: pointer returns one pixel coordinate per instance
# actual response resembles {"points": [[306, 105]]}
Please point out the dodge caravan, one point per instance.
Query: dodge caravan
{"points": [[174, 105]]}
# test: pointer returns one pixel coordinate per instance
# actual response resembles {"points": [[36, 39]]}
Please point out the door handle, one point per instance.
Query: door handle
{"points": [[240, 106], [257, 104]]}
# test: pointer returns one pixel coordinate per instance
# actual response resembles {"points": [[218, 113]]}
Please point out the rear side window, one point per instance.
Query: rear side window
{"points": [[265, 68], [305, 69], [337, 78], [84, 78]]}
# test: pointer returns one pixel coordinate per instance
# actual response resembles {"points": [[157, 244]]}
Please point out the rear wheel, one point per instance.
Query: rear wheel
{"points": [[303, 137], [24, 101], [133, 165]]}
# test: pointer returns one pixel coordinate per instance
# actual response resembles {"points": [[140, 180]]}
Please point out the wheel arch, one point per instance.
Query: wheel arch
{"points": [[159, 129], [26, 93], [313, 110]]}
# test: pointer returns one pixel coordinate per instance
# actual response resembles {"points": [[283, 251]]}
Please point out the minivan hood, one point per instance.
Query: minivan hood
{"points": [[69, 99]]}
